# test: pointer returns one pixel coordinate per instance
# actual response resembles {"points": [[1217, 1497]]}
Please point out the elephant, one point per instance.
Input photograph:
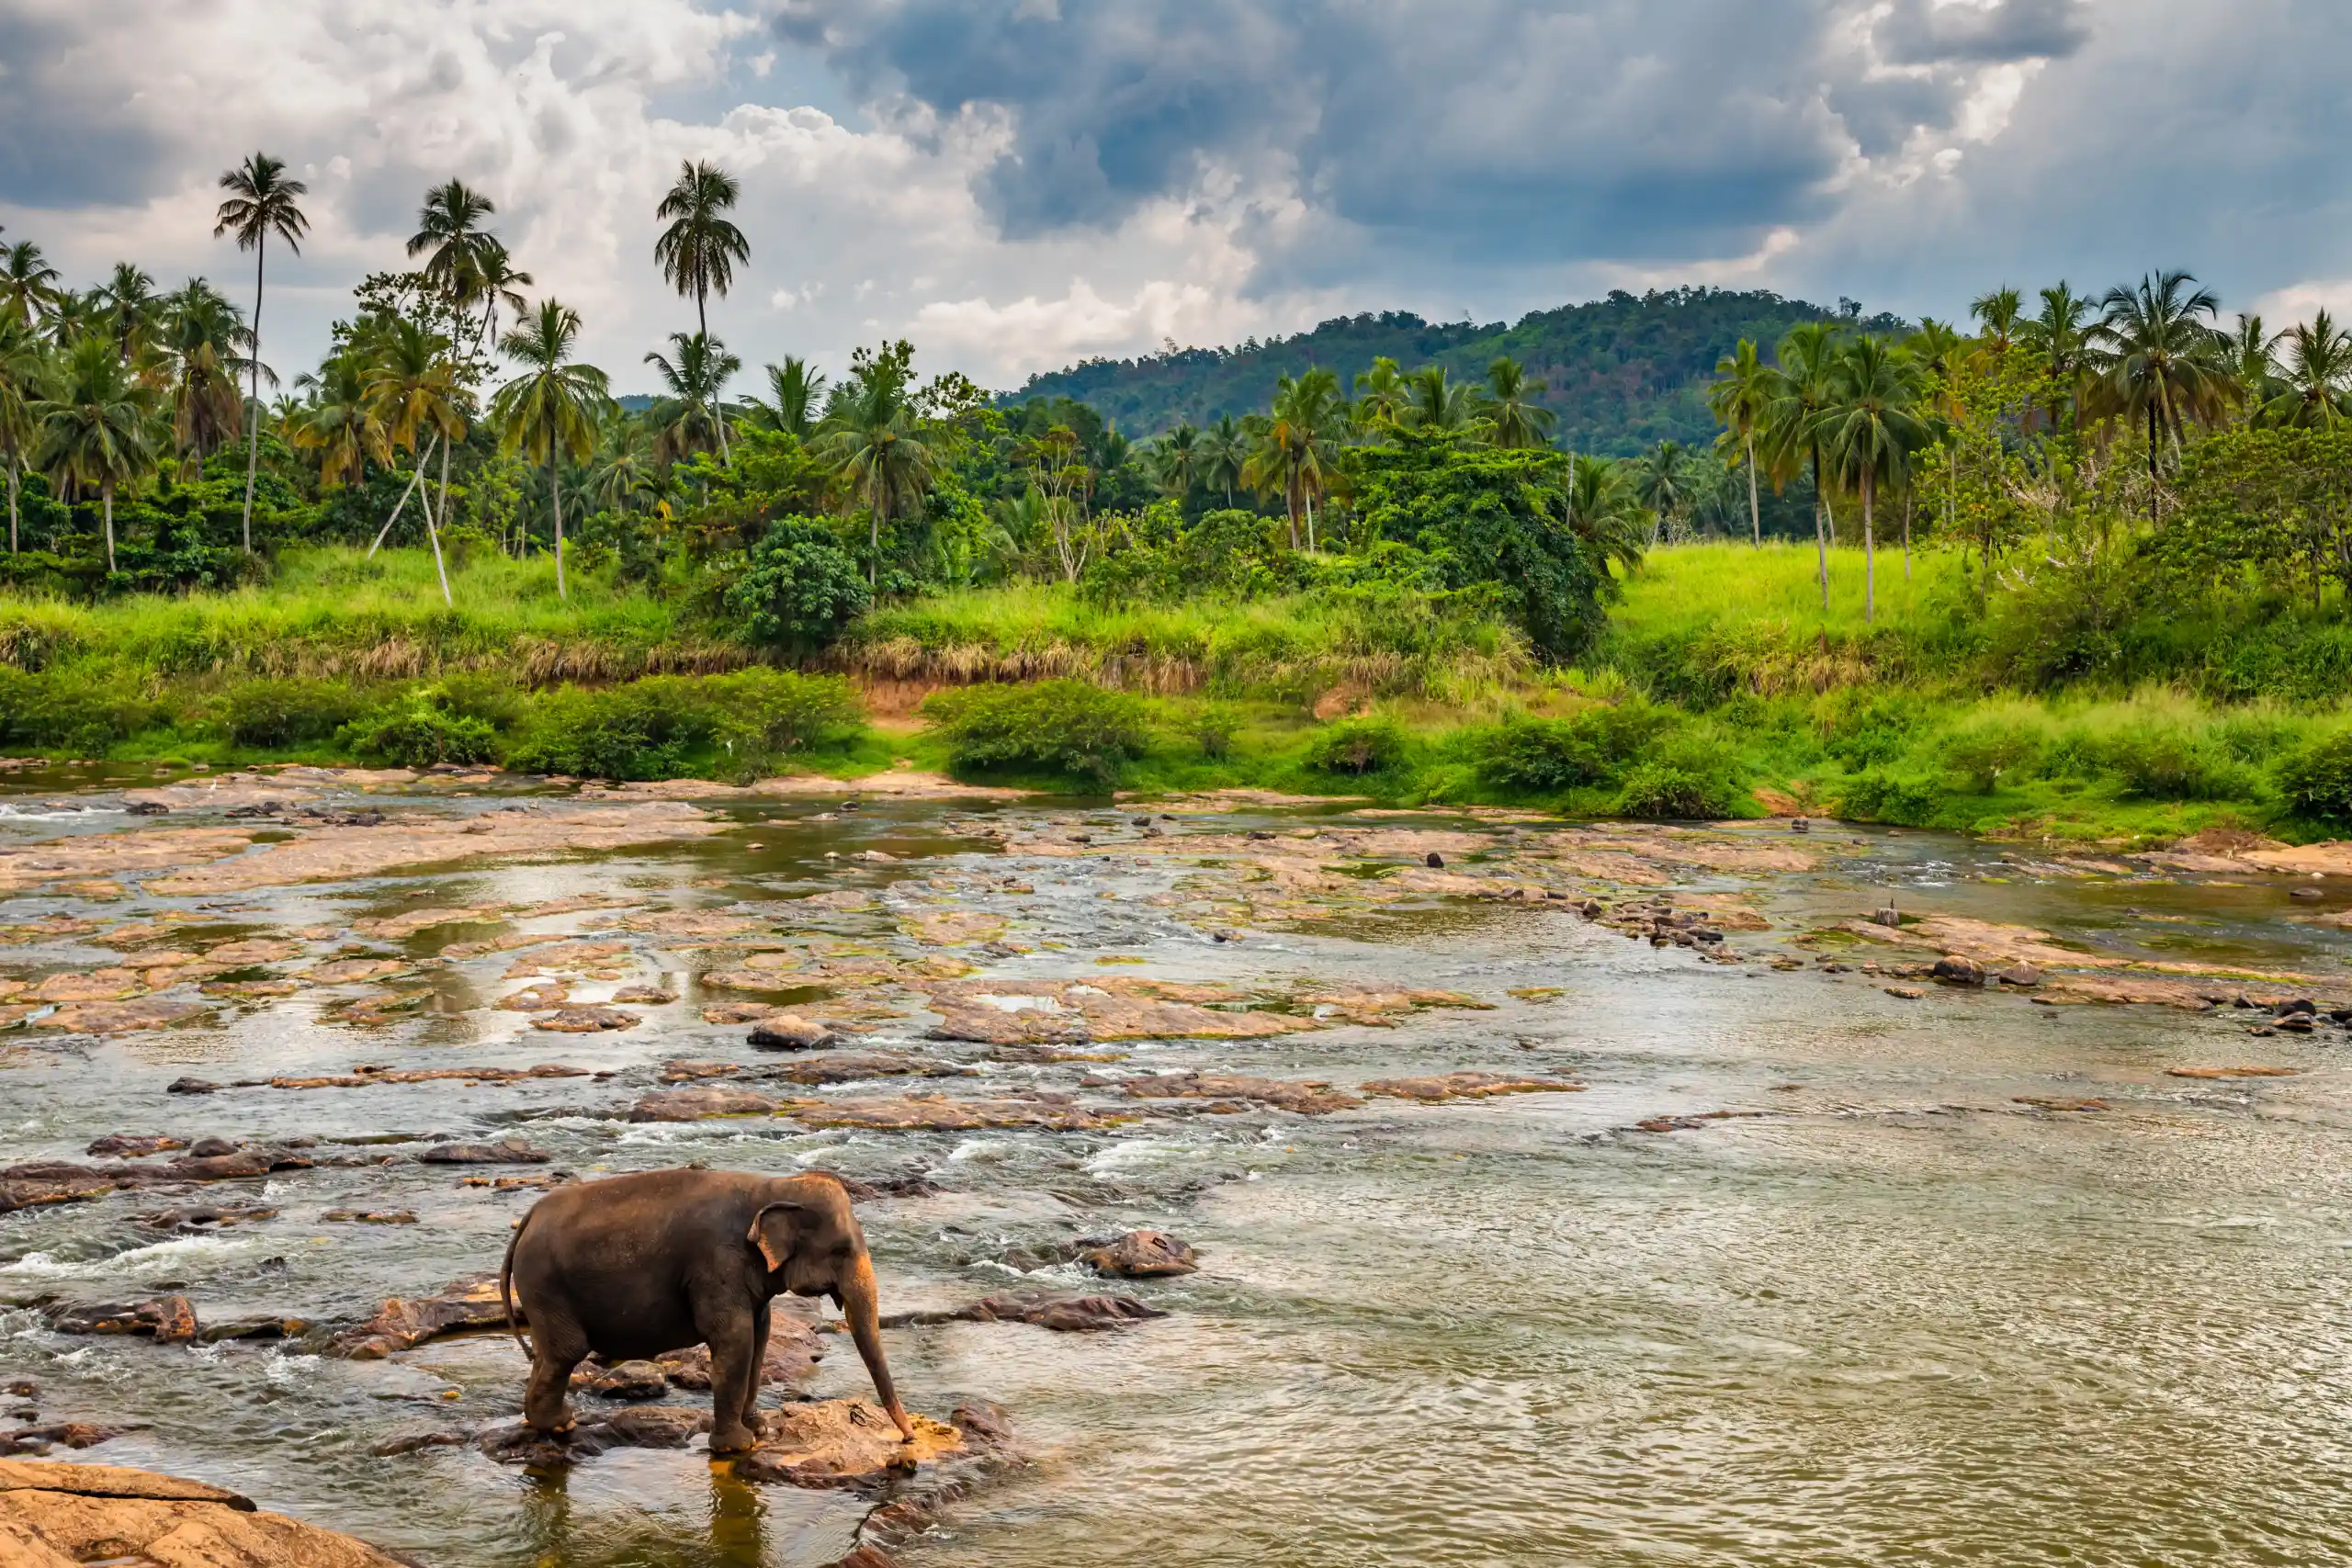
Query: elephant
{"points": [[633, 1266]]}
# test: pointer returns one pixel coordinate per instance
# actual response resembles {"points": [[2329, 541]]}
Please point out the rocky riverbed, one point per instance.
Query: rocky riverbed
{"points": [[1320, 1185]]}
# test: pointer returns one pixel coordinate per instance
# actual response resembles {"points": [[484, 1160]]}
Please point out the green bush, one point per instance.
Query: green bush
{"points": [[286, 713], [79, 714], [669, 726], [1373, 744], [624, 733], [1876, 795], [1062, 726], [1992, 747], [1546, 756], [801, 588], [419, 732], [2169, 762], [758, 716], [1674, 790], [2316, 781], [1212, 727]]}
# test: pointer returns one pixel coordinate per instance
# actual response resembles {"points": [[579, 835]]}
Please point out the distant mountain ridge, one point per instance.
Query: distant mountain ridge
{"points": [[1622, 372]]}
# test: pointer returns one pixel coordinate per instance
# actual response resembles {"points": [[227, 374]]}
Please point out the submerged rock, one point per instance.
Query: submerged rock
{"points": [[1065, 1311], [201, 1219], [506, 1151], [1468, 1085], [696, 1104], [639, 1426], [53, 1516], [931, 1112], [404, 1323], [39, 1440], [624, 1380], [1306, 1098], [1141, 1254], [587, 1020], [134, 1144]]}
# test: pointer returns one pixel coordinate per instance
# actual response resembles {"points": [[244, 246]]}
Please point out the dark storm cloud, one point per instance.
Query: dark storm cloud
{"points": [[65, 142], [1921, 32]]}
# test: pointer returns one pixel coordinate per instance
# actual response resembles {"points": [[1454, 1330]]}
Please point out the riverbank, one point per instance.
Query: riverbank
{"points": [[1720, 689]]}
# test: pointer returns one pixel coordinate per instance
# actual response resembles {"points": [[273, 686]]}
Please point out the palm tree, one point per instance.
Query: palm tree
{"points": [[1662, 479], [1299, 451], [696, 380], [2059, 341], [493, 282], [414, 390], [340, 421], [1518, 421], [1807, 358], [23, 378], [133, 308], [97, 431], [1224, 452], [1937, 346], [1434, 403], [28, 284], [2160, 360], [796, 393], [2318, 366], [1176, 460], [1744, 390], [551, 410], [1997, 314], [450, 237], [699, 251], [624, 477], [1602, 514], [203, 344], [262, 202], [876, 445], [2248, 354], [1870, 428], [1381, 396]]}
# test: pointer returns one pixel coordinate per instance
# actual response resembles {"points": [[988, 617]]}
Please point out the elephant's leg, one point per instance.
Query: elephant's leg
{"points": [[755, 1369], [557, 1347], [729, 1333]]}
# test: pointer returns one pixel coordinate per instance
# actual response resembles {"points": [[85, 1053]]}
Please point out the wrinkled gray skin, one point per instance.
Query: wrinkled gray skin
{"points": [[628, 1267]]}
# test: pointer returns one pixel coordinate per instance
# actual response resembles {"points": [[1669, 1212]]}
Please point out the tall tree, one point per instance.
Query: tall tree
{"points": [[1176, 460], [1602, 514], [2317, 373], [28, 284], [340, 421], [204, 347], [496, 280], [1432, 402], [2160, 361], [1297, 456], [25, 374], [1807, 361], [2059, 340], [262, 201], [1870, 428], [875, 442], [97, 429], [795, 397], [134, 310], [1662, 480], [2249, 355], [450, 237], [1938, 347], [1742, 395], [414, 390], [1381, 397], [700, 249], [1997, 314], [1510, 408], [551, 412], [696, 380], [1225, 452]]}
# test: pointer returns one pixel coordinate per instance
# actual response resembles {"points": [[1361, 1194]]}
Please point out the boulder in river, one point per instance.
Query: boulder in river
{"points": [[789, 1031], [506, 1151], [794, 1349], [54, 1516], [1141, 1254], [587, 1020], [134, 1144], [623, 1380], [167, 1320], [202, 1219], [842, 1442], [697, 1104], [1065, 1311], [404, 1323], [1958, 969]]}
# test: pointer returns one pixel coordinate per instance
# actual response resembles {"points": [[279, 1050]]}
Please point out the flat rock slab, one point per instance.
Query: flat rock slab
{"points": [[1064, 1312], [1141, 1254], [404, 1323], [2233, 1072], [924, 1112], [1307, 1098], [842, 1442], [60, 1515], [120, 1018], [587, 1020], [1468, 1085], [638, 1427], [506, 1151], [853, 1066], [699, 1104]]}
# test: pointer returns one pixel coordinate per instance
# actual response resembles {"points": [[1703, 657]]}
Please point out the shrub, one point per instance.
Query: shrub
{"points": [[1212, 728], [285, 713], [418, 732], [2169, 762], [2316, 781], [80, 715], [1373, 744], [1876, 795], [757, 716], [1991, 747], [801, 588], [1545, 756], [622, 733], [1063, 726], [1675, 791]]}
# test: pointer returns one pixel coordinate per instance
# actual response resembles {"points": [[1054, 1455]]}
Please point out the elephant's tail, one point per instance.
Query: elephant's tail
{"points": [[506, 1284]]}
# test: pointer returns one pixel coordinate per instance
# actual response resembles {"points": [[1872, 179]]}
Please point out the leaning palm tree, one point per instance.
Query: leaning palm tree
{"points": [[796, 394], [24, 375], [415, 391], [450, 237], [262, 202], [1603, 514], [1224, 452], [2160, 361], [1870, 428], [28, 284], [1510, 406], [2317, 367], [1807, 359], [875, 443], [699, 251], [203, 344], [98, 428], [1381, 397], [551, 412], [696, 380], [1743, 390]]}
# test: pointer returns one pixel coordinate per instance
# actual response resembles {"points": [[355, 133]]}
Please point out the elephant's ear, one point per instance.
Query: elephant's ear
{"points": [[775, 1231]]}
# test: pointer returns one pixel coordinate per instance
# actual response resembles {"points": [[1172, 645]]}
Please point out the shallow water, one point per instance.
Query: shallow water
{"points": [[1899, 1317]]}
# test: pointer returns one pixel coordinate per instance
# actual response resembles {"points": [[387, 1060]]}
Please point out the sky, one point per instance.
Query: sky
{"points": [[1016, 185]]}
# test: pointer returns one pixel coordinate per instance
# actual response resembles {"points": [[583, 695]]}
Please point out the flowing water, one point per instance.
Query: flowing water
{"points": [[1902, 1315]]}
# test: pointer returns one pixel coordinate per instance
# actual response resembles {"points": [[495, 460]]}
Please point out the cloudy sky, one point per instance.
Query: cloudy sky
{"points": [[1017, 184]]}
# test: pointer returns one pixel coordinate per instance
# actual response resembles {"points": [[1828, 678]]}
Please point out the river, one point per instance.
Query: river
{"points": [[1965, 1279]]}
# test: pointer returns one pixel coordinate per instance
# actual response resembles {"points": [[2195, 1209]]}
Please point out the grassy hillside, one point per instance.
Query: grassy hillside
{"points": [[1623, 373]]}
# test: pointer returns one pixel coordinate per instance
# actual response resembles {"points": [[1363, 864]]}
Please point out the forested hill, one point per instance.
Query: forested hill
{"points": [[1623, 373]]}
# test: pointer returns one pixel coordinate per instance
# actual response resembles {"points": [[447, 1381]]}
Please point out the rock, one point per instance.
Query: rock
{"points": [[146, 808], [201, 1219], [2304, 893], [120, 1018], [206, 1148], [167, 1320], [192, 1085], [1141, 1254], [1306, 1098], [534, 998], [794, 1349], [2293, 1005], [933, 1112], [1061, 1311], [1907, 993], [789, 1031], [2047, 1102], [626, 1380], [260, 1327], [695, 1104], [853, 1066], [404, 1323], [134, 1144], [1800, 825], [54, 1516], [587, 1020], [2232, 1072], [506, 1151], [1954, 969], [1434, 861], [59, 1434], [519, 1183], [1468, 1085], [645, 996], [639, 1426], [369, 1217], [2295, 1022], [693, 1072], [417, 1442], [2024, 977], [841, 1442]]}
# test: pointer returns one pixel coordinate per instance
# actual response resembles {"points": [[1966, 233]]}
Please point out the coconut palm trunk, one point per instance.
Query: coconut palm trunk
{"points": [[1870, 554], [433, 529], [399, 506], [14, 472], [555, 510], [1906, 535], [106, 505], [252, 403], [1755, 510], [1820, 529]]}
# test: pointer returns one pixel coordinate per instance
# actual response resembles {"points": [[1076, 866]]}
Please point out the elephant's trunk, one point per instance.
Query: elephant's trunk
{"points": [[861, 1306]]}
